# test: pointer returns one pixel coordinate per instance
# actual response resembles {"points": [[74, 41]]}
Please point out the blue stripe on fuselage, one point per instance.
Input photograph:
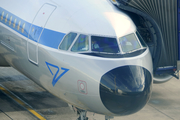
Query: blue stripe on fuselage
{"points": [[51, 38], [48, 38]]}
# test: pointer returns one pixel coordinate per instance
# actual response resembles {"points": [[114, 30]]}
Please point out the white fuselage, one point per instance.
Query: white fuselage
{"points": [[31, 46]]}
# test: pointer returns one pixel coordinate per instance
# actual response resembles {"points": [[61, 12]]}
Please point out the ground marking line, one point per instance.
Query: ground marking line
{"points": [[21, 102]]}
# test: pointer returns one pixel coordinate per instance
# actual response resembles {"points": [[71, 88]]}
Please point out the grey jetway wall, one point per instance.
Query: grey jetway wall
{"points": [[164, 14]]}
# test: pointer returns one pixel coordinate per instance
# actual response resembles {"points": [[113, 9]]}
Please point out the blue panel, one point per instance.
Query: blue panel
{"points": [[51, 38]]}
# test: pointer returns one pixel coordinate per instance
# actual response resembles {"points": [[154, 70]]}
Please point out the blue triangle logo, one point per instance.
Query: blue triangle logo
{"points": [[56, 78]]}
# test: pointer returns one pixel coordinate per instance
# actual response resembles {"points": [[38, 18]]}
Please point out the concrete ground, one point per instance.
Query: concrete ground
{"points": [[22, 99]]}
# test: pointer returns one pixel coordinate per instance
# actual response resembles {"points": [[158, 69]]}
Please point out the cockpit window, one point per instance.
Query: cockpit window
{"points": [[67, 41], [129, 43], [81, 44], [141, 39], [104, 44]]}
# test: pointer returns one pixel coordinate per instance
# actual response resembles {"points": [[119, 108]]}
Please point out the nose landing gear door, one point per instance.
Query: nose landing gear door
{"points": [[36, 30]]}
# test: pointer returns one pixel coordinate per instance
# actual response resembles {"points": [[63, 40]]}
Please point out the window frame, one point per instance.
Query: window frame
{"points": [[143, 46], [2, 15], [23, 27], [107, 37], [90, 47], [71, 43], [10, 20], [19, 25], [6, 18], [14, 22], [122, 52], [78, 34]]}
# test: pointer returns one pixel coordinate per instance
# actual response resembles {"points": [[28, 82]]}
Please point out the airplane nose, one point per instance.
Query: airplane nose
{"points": [[126, 90]]}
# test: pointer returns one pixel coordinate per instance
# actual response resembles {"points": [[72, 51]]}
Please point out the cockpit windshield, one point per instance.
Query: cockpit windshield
{"points": [[82, 43], [129, 43], [104, 44]]}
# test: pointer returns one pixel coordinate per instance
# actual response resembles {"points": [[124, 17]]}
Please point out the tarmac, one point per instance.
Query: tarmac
{"points": [[22, 99]]}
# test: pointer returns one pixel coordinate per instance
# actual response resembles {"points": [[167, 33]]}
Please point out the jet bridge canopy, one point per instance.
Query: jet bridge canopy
{"points": [[161, 21]]}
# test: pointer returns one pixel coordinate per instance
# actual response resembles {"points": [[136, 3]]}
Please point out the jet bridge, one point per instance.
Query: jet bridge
{"points": [[157, 22]]}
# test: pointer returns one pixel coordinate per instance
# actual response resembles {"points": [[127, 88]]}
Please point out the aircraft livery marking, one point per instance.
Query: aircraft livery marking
{"points": [[82, 87], [48, 37], [55, 78]]}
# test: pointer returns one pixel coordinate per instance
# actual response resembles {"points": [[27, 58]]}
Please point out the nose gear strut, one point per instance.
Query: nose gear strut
{"points": [[82, 115]]}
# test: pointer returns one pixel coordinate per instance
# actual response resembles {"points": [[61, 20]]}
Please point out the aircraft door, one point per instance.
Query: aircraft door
{"points": [[36, 30]]}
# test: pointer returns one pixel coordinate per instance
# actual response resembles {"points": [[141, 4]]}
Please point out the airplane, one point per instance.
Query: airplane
{"points": [[97, 55]]}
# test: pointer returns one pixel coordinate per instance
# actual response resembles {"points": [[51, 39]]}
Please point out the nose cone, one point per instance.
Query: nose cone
{"points": [[125, 90]]}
